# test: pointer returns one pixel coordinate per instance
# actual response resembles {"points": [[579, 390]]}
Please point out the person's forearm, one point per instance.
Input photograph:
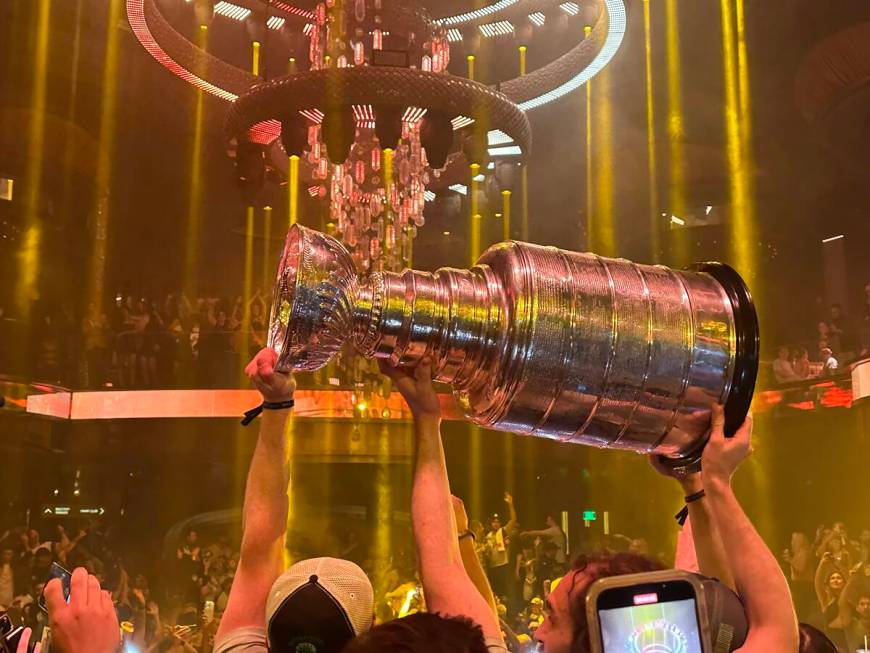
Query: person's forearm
{"points": [[709, 550], [431, 509], [264, 518], [475, 571], [757, 576], [512, 517]]}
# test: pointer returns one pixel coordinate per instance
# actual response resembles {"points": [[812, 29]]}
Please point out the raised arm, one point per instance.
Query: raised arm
{"points": [[264, 516], [470, 560], [511, 526], [709, 550], [448, 588], [757, 576]]}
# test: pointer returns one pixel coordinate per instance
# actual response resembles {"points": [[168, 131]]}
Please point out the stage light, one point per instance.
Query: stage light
{"points": [[203, 10], [538, 18], [678, 221], [388, 125], [500, 28], [436, 137], [230, 10], [339, 130], [652, 159], [275, 22], [454, 35], [570, 8], [294, 134], [429, 196], [833, 238], [194, 201]]}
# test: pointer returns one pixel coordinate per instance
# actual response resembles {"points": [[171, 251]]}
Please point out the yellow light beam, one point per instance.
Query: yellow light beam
{"points": [[590, 186], [524, 182], [678, 201], [248, 280], [470, 63], [746, 229], [523, 50], [108, 122], [506, 215], [291, 66], [293, 190], [383, 499], [742, 236], [255, 58], [652, 164], [605, 237], [195, 196], [267, 244], [28, 256], [474, 216]]}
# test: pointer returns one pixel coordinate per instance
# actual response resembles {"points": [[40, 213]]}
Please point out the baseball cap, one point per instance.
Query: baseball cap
{"points": [[317, 606]]}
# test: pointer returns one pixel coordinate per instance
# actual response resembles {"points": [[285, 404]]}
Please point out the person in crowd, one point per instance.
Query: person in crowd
{"points": [[322, 602], [783, 370], [7, 575], [800, 560], [856, 629], [830, 365], [460, 618], [737, 549], [801, 365], [813, 640], [525, 571], [497, 541], [553, 534]]}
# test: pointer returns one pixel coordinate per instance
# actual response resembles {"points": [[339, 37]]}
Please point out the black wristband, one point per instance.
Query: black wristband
{"points": [[252, 414], [468, 533], [684, 513]]}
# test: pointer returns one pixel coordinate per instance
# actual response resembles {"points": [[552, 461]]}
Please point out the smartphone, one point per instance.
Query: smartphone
{"points": [[651, 616], [208, 612], [65, 576]]}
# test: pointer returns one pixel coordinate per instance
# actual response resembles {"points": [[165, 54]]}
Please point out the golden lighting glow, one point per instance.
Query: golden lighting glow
{"points": [[267, 241], [590, 195], [475, 217], [194, 201], [676, 131], [603, 232], [523, 49], [652, 164], [290, 439], [293, 190], [28, 257], [738, 134], [108, 121], [470, 60], [505, 215], [255, 58], [291, 66], [524, 181], [247, 286], [383, 499], [387, 163]]}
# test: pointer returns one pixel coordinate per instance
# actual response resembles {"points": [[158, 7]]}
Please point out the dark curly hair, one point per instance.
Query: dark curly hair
{"points": [[424, 632], [595, 566]]}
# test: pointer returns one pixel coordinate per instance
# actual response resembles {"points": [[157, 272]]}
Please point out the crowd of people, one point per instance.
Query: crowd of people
{"points": [[475, 588], [838, 340], [830, 581]]}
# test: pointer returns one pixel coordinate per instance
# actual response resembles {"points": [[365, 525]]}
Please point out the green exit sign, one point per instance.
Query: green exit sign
{"points": [[590, 515]]}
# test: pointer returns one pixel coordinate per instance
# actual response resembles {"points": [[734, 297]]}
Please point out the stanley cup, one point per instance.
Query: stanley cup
{"points": [[538, 340]]}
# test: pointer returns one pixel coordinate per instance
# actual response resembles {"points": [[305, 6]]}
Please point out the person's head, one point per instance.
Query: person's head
{"points": [[823, 329], [826, 353], [835, 582], [551, 521], [782, 353], [320, 602], [799, 541], [836, 311], [840, 528], [864, 538], [140, 582], [565, 629], [536, 606], [812, 640], [639, 546], [801, 354], [835, 545], [33, 538], [256, 310], [862, 607], [191, 538], [423, 632], [494, 523], [6, 555], [42, 559]]}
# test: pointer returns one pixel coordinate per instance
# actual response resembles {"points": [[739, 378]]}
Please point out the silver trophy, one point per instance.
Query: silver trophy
{"points": [[538, 340]]}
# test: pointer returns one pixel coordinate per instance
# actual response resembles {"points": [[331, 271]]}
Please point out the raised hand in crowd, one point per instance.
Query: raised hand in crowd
{"points": [[88, 623]]}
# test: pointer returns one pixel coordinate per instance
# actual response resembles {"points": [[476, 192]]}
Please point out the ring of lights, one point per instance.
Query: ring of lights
{"points": [[393, 87], [555, 80]]}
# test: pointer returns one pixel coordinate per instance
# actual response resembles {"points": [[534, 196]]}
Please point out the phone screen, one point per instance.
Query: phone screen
{"points": [[65, 576], [654, 618]]}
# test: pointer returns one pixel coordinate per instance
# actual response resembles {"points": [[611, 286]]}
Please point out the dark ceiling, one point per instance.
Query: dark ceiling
{"points": [[804, 190]]}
